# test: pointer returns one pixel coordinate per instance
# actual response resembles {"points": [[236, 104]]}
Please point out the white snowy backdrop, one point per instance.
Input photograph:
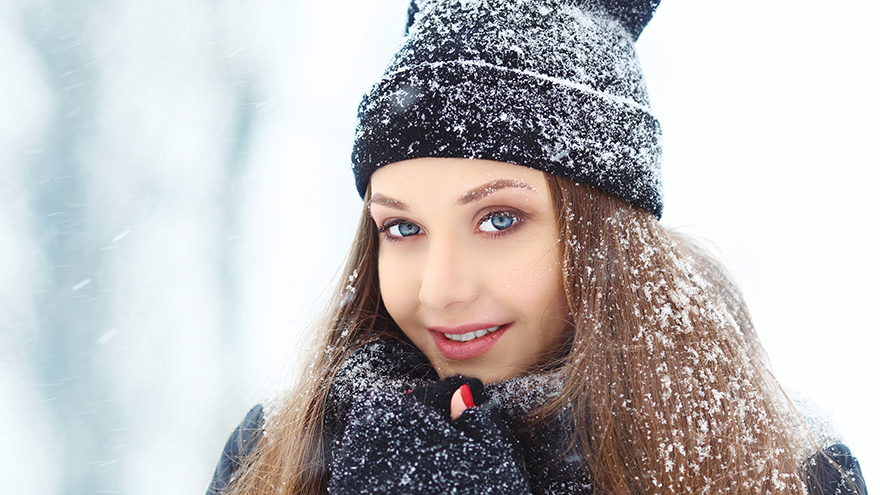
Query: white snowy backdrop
{"points": [[175, 199]]}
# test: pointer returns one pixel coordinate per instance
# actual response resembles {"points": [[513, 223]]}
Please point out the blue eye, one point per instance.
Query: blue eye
{"points": [[497, 222], [403, 229]]}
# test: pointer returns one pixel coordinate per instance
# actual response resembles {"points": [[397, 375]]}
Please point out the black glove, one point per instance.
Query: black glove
{"points": [[406, 443], [438, 395]]}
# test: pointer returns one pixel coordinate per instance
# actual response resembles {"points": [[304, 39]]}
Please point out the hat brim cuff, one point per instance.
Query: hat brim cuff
{"points": [[481, 111]]}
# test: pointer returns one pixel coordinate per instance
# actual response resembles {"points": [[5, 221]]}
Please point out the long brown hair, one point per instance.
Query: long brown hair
{"points": [[668, 387]]}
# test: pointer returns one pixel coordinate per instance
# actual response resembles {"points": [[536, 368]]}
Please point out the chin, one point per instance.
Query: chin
{"points": [[483, 371]]}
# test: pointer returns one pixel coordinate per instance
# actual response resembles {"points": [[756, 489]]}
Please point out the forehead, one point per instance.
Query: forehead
{"points": [[466, 179]]}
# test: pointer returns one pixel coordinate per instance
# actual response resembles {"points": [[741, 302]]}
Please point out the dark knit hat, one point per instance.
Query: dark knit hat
{"points": [[554, 85]]}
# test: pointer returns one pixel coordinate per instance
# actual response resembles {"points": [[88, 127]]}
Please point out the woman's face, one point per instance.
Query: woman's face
{"points": [[469, 263]]}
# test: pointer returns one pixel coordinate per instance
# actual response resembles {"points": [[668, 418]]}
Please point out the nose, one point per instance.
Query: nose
{"points": [[448, 279]]}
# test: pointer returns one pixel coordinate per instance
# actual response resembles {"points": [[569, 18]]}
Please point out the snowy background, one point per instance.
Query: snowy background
{"points": [[175, 200]]}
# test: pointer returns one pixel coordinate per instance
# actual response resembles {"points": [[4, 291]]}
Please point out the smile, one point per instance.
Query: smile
{"points": [[464, 337], [467, 341]]}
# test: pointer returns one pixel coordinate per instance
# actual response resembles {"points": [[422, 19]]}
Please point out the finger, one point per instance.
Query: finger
{"points": [[462, 399]]}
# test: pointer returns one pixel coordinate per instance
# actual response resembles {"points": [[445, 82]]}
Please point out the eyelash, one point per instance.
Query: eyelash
{"points": [[517, 216], [389, 224]]}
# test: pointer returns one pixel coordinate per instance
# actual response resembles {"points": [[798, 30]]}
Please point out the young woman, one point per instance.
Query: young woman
{"points": [[513, 318]]}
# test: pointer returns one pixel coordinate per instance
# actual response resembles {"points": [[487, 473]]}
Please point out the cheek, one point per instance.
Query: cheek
{"points": [[537, 285], [546, 309], [394, 285]]}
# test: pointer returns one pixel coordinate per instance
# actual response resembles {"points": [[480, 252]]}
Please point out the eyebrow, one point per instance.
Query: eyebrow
{"points": [[386, 201], [474, 194], [491, 188]]}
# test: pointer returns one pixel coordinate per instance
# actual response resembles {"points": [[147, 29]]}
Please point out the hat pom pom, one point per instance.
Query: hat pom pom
{"points": [[633, 14], [411, 15]]}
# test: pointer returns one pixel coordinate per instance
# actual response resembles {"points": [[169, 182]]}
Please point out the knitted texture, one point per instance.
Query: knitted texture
{"points": [[395, 444], [389, 431], [548, 84]]}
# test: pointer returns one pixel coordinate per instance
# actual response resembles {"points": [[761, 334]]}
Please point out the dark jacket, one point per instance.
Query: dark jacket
{"points": [[389, 431]]}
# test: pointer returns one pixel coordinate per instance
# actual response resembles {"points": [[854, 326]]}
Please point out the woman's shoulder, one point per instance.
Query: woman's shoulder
{"points": [[241, 443], [834, 471], [823, 430], [830, 467], [386, 364]]}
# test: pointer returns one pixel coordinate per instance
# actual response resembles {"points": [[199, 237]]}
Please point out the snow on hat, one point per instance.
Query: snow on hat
{"points": [[553, 85]]}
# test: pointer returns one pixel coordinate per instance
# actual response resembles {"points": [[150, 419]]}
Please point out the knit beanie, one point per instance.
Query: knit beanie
{"points": [[553, 85]]}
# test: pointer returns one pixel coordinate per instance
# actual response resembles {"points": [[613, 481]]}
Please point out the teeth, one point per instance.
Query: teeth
{"points": [[464, 337]]}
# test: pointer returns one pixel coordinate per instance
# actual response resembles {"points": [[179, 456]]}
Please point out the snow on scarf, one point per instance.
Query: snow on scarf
{"points": [[388, 430]]}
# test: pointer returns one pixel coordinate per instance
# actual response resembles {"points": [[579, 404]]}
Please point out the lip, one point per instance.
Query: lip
{"points": [[461, 351]]}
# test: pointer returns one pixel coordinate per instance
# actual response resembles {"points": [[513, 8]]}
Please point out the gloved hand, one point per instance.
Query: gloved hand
{"points": [[408, 443], [439, 395]]}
